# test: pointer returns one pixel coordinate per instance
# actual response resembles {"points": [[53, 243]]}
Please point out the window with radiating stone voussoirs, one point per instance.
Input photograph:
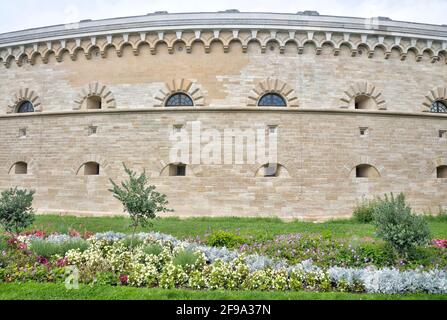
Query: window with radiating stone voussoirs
{"points": [[25, 107]]}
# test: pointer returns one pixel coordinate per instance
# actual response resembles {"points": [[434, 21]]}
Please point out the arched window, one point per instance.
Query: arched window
{"points": [[25, 106], [179, 100], [438, 107], [177, 170], [441, 172], [20, 168], [94, 102], [272, 100], [364, 102], [366, 171], [91, 169]]}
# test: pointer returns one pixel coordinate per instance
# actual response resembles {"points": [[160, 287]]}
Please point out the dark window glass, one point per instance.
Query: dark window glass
{"points": [[179, 100], [272, 100], [181, 170], [438, 107], [25, 106]]}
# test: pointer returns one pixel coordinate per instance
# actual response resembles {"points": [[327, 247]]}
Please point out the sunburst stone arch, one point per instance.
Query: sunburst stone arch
{"points": [[273, 86], [363, 95], [187, 87], [436, 95], [95, 90], [22, 96]]}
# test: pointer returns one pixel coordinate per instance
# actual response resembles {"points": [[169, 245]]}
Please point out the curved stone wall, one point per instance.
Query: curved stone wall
{"points": [[226, 63]]}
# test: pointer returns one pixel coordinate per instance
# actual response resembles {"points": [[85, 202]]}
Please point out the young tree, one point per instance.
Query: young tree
{"points": [[16, 212], [139, 199]]}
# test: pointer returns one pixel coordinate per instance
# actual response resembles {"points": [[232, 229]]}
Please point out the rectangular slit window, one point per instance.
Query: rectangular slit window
{"points": [[22, 132], [92, 130], [178, 128], [443, 134], [364, 131]]}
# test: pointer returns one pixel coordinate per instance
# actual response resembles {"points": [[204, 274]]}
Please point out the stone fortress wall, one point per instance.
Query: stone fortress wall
{"points": [[358, 92]]}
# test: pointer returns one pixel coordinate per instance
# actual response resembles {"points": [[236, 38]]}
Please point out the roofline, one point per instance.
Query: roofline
{"points": [[224, 20]]}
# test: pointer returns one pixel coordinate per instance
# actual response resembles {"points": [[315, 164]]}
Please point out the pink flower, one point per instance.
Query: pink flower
{"points": [[440, 243], [124, 279], [42, 260], [62, 262]]}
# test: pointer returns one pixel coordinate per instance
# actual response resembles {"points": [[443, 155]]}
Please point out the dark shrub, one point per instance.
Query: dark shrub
{"points": [[364, 212], [397, 225], [16, 212]]}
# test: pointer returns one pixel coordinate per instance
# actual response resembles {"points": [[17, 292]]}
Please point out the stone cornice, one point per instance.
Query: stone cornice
{"points": [[225, 27], [335, 112]]}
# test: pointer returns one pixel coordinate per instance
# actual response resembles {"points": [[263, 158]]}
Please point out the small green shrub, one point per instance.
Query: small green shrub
{"points": [[48, 249], [16, 212], [153, 249], [364, 212], [225, 239], [185, 258], [397, 225]]}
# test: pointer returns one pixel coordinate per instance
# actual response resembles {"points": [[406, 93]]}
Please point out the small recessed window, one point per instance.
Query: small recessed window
{"points": [[441, 172], [443, 134], [272, 100], [364, 131], [438, 107], [179, 100], [25, 107], [92, 130], [271, 170], [20, 168], [22, 133], [91, 169], [178, 128], [366, 171], [273, 129], [94, 103], [177, 170]]}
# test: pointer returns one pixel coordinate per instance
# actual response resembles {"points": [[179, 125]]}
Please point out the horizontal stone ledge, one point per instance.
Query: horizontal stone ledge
{"points": [[163, 110]]}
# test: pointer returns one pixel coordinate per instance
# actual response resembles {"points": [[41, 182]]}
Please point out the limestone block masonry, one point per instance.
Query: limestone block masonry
{"points": [[356, 92]]}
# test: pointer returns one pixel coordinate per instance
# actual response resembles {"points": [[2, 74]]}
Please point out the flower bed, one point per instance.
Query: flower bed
{"points": [[159, 260]]}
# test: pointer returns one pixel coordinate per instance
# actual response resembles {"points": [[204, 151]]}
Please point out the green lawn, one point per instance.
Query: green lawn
{"points": [[36, 291], [257, 227]]}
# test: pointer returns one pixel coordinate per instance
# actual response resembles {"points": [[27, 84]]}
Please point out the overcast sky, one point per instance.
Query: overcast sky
{"points": [[24, 14]]}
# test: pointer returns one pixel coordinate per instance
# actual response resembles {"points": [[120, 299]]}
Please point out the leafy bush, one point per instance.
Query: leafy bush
{"points": [[49, 249], [141, 201], [397, 225], [225, 239], [185, 258], [153, 249], [16, 212], [364, 212]]}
